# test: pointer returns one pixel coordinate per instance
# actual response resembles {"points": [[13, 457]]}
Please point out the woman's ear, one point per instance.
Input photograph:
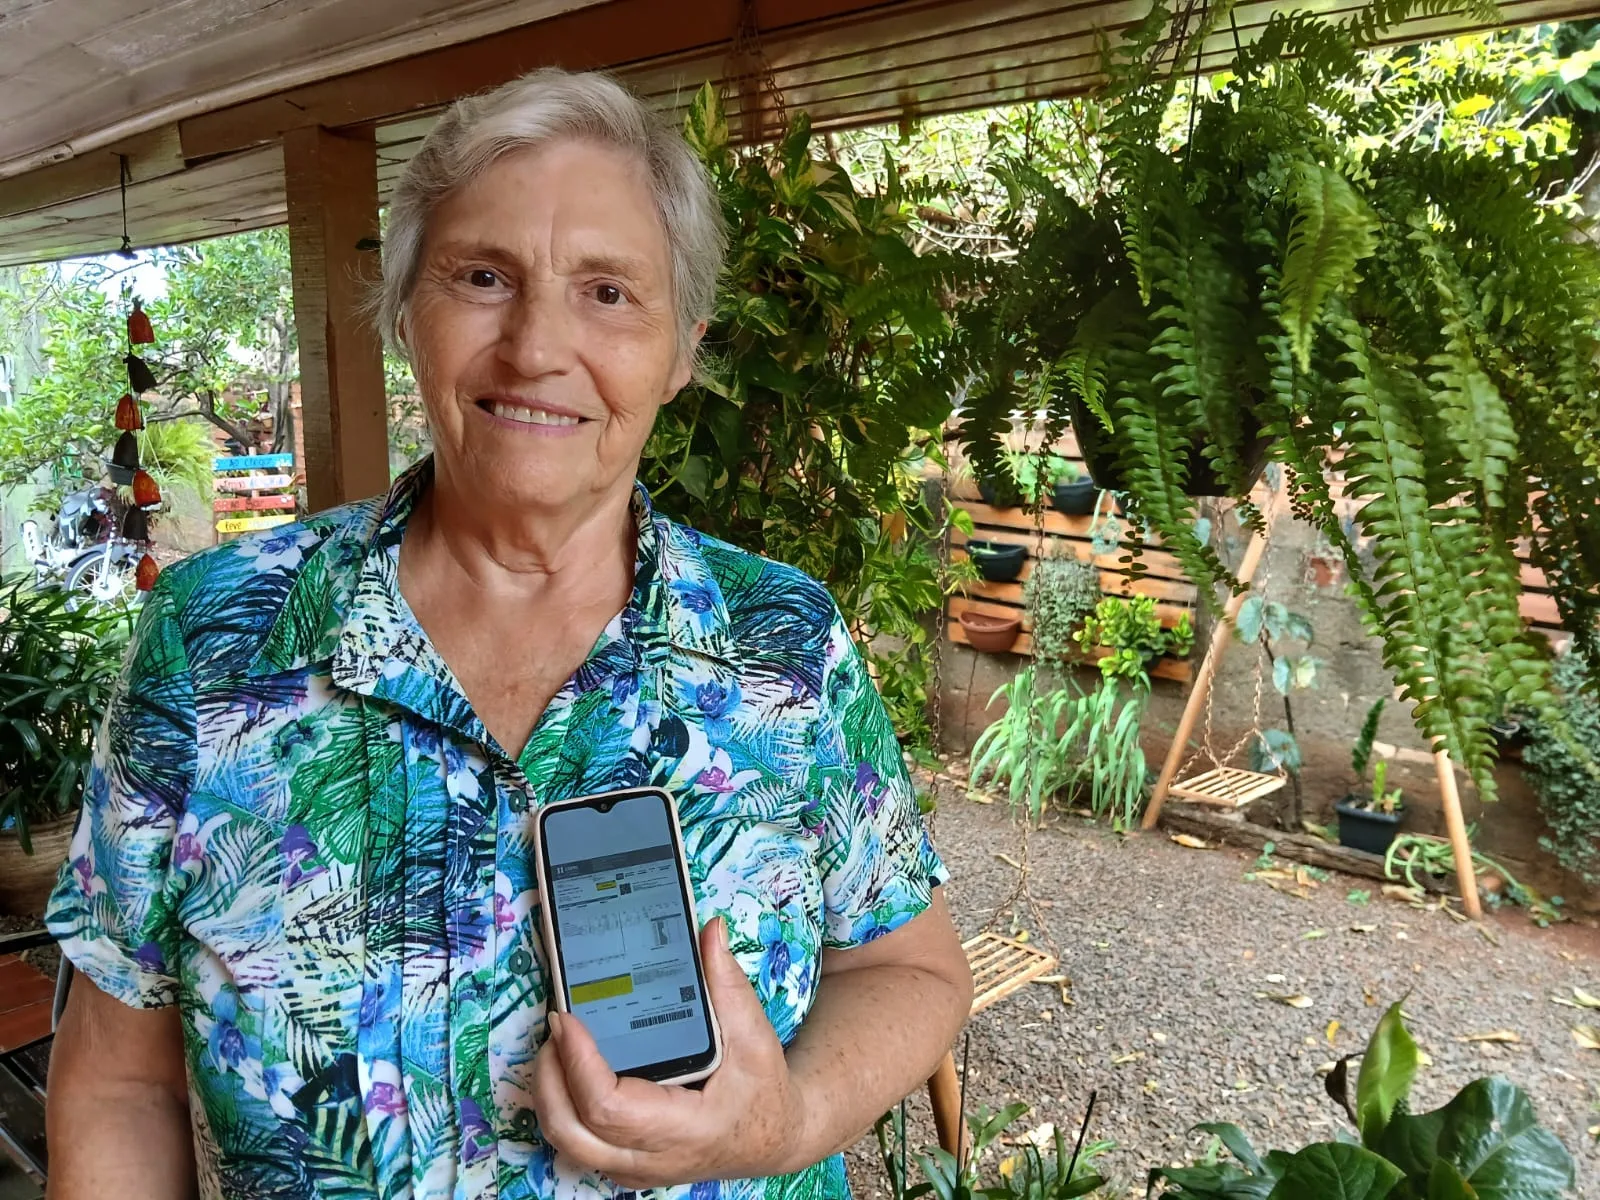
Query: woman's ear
{"points": [[685, 368]]}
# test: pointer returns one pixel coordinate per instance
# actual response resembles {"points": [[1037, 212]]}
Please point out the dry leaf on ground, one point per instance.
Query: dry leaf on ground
{"points": [[1363, 929], [1124, 1059], [1505, 1036], [1587, 1036], [1293, 999], [1189, 840]]}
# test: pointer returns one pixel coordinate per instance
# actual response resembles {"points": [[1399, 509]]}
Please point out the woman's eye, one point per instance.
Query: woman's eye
{"points": [[481, 278], [608, 293]]}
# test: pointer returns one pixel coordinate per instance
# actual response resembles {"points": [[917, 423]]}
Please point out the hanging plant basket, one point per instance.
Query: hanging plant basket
{"points": [[998, 562], [988, 634], [26, 880], [1099, 451]]}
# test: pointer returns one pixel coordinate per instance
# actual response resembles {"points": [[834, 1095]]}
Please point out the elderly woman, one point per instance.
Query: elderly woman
{"points": [[302, 895]]}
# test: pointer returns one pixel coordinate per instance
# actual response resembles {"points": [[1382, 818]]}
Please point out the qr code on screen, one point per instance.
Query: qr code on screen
{"points": [[686, 994]]}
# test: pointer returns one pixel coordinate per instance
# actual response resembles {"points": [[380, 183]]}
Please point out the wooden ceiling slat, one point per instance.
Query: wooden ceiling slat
{"points": [[860, 62], [606, 35]]}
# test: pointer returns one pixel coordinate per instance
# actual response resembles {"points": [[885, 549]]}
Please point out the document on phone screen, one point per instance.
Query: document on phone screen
{"points": [[626, 938]]}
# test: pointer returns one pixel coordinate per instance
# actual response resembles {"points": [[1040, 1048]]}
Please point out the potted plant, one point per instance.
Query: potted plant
{"points": [[59, 658], [998, 562], [1060, 593], [1075, 495], [1369, 819], [988, 633], [1226, 288], [1131, 632]]}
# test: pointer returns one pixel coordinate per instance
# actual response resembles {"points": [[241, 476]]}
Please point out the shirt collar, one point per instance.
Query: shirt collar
{"points": [[341, 605]]}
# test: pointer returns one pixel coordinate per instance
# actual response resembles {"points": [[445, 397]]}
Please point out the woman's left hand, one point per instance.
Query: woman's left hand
{"points": [[748, 1118]]}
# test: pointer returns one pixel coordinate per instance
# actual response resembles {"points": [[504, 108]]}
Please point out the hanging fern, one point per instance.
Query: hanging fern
{"points": [[1293, 270]]}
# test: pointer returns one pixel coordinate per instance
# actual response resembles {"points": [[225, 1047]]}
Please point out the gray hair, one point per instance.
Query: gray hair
{"points": [[544, 106]]}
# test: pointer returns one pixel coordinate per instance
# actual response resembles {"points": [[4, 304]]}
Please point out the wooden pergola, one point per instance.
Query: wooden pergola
{"points": [[174, 93]]}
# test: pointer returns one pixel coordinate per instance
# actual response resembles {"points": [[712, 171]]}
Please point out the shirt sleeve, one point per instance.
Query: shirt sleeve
{"points": [[114, 909], [878, 865]]}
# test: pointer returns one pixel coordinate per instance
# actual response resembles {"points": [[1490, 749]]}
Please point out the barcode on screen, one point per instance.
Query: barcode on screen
{"points": [[682, 1014]]}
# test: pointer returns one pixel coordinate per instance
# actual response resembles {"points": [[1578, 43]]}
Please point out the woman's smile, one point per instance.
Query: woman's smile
{"points": [[531, 416]]}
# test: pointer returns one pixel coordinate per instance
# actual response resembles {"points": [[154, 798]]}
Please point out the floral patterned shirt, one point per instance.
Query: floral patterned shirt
{"points": [[298, 831]]}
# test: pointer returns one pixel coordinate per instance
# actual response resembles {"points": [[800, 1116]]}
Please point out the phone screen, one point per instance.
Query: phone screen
{"points": [[625, 933]]}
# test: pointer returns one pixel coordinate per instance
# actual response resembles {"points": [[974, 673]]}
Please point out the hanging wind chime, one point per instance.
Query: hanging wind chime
{"points": [[125, 462]]}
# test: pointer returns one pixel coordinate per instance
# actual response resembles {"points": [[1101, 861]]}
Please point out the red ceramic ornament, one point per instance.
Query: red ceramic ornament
{"points": [[144, 575], [145, 492], [139, 331], [129, 417]]}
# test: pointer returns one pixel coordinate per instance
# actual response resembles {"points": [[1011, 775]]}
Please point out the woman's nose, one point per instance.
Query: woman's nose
{"points": [[539, 335]]}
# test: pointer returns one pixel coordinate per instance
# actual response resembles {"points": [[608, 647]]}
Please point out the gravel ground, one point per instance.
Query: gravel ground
{"points": [[1167, 949]]}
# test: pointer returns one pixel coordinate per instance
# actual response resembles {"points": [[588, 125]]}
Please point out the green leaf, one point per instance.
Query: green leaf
{"points": [[1445, 1183], [1335, 1171], [695, 476], [1331, 233], [706, 126], [1491, 1136], [1249, 620], [1387, 1070], [961, 519], [1234, 1139]]}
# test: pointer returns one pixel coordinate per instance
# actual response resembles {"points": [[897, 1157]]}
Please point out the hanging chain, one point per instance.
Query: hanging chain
{"points": [[1260, 580], [749, 73]]}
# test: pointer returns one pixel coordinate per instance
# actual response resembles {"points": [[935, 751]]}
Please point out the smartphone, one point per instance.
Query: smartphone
{"points": [[620, 933]]}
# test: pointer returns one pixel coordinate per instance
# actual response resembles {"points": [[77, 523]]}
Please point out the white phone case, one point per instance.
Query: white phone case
{"points": [[558, 988]]}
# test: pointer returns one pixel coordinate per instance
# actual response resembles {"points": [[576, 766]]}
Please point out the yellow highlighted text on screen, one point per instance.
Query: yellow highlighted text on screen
{"points": [[602, 989], [606, 885]]}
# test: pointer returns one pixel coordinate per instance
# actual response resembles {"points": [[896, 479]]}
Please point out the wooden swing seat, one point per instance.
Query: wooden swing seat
{"points": [[1000, 966], [1227, 787]]}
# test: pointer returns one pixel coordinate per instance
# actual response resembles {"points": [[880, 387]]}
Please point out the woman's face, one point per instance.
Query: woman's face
{"points": [[541, 327]]}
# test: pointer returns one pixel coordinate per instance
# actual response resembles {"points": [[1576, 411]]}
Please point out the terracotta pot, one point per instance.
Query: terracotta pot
{"points": [[991, 635], [26, 880], [1326, 570]]}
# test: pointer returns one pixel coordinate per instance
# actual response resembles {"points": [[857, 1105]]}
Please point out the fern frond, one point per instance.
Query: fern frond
{"points": [[1332, 232]]}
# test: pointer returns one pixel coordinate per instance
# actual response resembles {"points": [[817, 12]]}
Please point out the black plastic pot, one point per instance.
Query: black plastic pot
{"points": [[1509, 733], [999, 493], [997, 561], [1075, 499], [1363, 829], [1100, 455]]}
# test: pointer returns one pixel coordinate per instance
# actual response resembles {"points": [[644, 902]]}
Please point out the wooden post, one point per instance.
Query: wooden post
{"points": [[1466, 874], [1220, 637], [331, 180], [944, 1097]]}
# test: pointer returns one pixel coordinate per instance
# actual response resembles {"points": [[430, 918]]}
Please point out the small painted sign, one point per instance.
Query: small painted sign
{"points": [[254, 462], [251, 503], [252, 483], [245, 524]]}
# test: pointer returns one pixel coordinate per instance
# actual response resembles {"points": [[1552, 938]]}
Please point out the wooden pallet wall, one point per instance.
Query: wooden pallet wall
{"points": [[1164, 580]]}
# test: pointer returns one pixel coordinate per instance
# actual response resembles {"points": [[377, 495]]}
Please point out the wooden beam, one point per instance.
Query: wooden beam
{"points": [[331, 181], [602, 36], [1230, 830], [1460, 845], [150, 156]]}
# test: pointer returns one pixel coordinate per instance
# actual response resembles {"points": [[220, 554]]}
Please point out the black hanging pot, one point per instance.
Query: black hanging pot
{"points": [[1075, 499], [997, 562], [140, 377], [136, 525], [1100, 454], [999, 492]]}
